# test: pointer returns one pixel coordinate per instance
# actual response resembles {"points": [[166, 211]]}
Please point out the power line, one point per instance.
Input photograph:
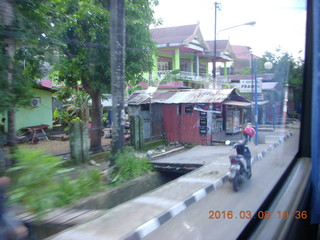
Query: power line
{"points": [[24, 35]]}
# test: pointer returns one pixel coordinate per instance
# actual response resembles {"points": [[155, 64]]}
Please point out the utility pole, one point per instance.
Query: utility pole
{"points": [[117, 52], [252, 84], [214, 59], [256, 113]]}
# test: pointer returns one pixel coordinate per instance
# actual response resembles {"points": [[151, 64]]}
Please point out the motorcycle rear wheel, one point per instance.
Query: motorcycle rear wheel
{"points": [[249, 174], [236, 183]]}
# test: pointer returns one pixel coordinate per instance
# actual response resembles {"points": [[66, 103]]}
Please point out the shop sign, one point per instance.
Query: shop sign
{"points": [[203, 130], [246, 85], [188, 109], [203, 124], [203, 114]]}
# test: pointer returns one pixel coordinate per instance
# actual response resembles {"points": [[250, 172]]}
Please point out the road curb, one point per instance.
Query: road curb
{"points": [[155, 223]]}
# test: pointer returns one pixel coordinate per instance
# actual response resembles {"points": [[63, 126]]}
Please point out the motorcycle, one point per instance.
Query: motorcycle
{"points": [[240, 164]]}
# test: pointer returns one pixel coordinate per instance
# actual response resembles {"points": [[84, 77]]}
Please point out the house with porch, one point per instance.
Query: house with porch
{"points": [[198, 116], [242, 60], [224, 58], [183, 48]]}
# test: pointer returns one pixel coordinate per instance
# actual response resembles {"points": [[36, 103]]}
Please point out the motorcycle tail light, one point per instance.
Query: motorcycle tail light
{"points": [[233, 160]]}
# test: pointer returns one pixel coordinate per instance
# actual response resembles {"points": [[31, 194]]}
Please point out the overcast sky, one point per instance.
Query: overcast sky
{"points": [[279, 23]]}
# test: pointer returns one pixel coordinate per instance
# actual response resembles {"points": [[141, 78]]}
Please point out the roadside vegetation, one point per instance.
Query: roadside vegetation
{"points": [[42, 182], [128, 165]]}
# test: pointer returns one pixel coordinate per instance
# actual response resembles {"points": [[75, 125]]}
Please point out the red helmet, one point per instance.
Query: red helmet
{"points": [[249, 130]]}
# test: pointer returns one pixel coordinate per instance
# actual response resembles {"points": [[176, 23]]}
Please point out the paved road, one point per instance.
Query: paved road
{"points": [[180, 208], [194, 222], [218, 155]]}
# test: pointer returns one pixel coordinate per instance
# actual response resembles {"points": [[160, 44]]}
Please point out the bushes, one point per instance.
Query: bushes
{"points": [[129, 165], [86, 183], [40, 183]]}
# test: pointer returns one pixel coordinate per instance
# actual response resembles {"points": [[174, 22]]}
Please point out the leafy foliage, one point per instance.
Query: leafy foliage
{"points": [[86, 183], [67, 118], [287, 70], [33, 177], [82, 31], [81, 28], [28, 56], [227, 86], [78, 100], [130, 166], [20, 94], [139, 46], [40, 184]]}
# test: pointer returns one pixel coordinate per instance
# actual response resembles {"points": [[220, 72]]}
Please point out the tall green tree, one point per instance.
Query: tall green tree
{"points": [[287, 71], [82, 37], [286, 68], [82, 30], [22, 46]]}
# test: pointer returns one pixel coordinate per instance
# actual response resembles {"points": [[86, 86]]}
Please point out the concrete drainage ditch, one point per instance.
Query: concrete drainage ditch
{"points": [[93, 206]]}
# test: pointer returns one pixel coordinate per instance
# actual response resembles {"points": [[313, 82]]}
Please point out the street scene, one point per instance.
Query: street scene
{"points": [[133, 120]]}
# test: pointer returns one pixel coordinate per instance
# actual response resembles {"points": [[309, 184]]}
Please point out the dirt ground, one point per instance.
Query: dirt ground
{"points": [[58, 147]]}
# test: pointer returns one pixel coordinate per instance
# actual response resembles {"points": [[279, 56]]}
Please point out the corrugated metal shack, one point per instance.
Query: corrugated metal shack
{"points": [[193, 116], [149, 106]]}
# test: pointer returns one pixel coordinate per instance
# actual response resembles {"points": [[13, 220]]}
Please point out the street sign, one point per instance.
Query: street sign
{"points": [[246, 85]]}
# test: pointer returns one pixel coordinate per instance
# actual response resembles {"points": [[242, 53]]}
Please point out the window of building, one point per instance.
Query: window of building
{"points": [[164, 64], [179, 109], [185, 65], [202, 69], [145, 107]]}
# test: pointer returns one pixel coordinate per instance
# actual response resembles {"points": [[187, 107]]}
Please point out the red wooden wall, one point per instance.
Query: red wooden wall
{"points": [[183, 127]]}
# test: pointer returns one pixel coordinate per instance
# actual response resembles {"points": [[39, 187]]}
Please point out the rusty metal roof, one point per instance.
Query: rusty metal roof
{"points": [[200, 96], [183, 96], [142, 97]]}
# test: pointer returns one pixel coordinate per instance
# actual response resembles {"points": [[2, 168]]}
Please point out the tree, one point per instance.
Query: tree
{"points": [[287, 70], [75, 100], [83, 52], [22, 50], [82, 28], [285, 67]]}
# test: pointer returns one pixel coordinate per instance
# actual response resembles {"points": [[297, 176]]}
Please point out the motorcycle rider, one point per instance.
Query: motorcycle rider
{"points": [[248, 132], [243, 150]]}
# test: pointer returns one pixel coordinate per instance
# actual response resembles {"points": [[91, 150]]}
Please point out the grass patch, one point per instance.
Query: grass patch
{"points": [[153, 144], [130, 164]]}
